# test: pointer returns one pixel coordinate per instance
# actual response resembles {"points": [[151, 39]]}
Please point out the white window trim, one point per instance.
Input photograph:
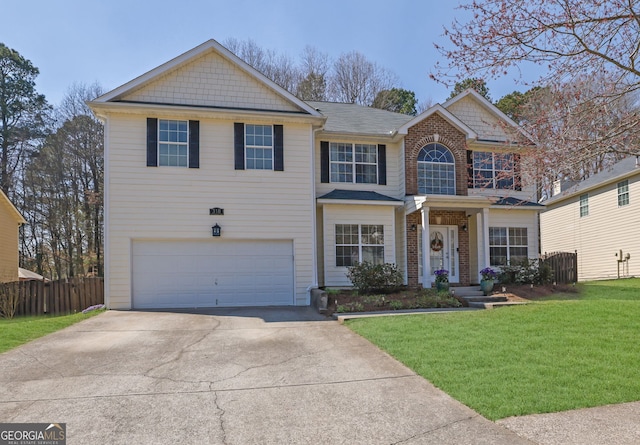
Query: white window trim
{"points": [[262, 147], [584, 205], [180, 144], [494, 172], [508, 245], [623, 193], [425, 163], [360, 244], [353, 163]]}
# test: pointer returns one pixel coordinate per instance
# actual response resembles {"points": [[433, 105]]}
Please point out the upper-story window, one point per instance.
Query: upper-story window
{"points": [[584, 205], [259, 147], [623, 193], [436, 170], [173, 143], [494, 170], [354, 163]]}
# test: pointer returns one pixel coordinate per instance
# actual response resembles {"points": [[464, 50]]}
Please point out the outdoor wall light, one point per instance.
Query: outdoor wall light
{"points": [[464, 227], [216, 230], [413, 227]]}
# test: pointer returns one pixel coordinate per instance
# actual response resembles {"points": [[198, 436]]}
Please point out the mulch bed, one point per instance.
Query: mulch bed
{"points": [[350, 301]]}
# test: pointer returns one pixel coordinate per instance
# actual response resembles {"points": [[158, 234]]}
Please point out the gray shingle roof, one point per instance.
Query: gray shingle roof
{"points": [[618, 170], [511, 201], [357, 195], [353, 118]]}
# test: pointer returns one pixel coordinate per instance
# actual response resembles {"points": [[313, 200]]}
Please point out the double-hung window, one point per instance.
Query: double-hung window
{"points": [[623, 193], [173, 143], [508, 245], [359, 243], [259, 146], [354, 163], [584, 205], [494, 170]]}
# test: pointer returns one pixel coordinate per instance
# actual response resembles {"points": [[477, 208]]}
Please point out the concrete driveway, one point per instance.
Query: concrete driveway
{"points": [[250, 376]]}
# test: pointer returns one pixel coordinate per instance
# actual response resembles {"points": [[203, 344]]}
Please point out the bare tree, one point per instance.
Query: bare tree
{"points": [[314, 75], [357, 80], [579, 43]]}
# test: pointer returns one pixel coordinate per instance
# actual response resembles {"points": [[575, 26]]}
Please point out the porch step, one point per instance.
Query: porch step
{"points": [[466, 291]]}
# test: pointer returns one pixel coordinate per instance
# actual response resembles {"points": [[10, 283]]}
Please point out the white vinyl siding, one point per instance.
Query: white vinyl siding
{"points": [[395, 172], [356, 215], [174, 203]]}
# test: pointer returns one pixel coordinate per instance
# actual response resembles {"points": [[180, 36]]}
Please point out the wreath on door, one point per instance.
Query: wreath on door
{"points": [[436, 242]]}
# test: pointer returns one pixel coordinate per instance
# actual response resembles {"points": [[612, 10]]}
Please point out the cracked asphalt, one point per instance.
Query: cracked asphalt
{"points": [[234, 376]]}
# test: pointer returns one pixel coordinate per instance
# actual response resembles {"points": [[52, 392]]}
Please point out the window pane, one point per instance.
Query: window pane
{"points": [[366, 153], [347, 234], [346, 256], [498, 256], [366, 174], [372, 234], [373, 254], [172, 143]]}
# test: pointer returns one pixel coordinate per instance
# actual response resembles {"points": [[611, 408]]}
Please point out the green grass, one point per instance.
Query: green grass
{"points": [[22, 330], [581, 350]]}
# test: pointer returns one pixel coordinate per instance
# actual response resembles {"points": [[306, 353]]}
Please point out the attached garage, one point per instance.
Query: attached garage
{"points": [[212, 273]]}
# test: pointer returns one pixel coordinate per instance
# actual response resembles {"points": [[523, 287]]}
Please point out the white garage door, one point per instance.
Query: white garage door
{"points": [[212, 273]]}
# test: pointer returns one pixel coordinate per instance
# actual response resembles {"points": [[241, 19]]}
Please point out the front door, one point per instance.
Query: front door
{"points": [[443, 251]]}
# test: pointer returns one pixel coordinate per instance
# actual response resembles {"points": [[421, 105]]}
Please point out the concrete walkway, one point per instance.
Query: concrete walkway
{"points": [[268, 376]]}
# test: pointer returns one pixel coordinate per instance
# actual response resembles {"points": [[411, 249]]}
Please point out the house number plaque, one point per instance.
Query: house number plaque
{"points": [[216, 211]]}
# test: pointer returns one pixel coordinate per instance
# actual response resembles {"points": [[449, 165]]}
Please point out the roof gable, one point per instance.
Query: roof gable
{"points": [[208, 76], [447, 115], [487, 121], [10, 208]]}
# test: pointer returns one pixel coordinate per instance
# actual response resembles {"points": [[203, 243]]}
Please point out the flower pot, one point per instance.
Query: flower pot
{"points": [[486, 286], [442, 285]]}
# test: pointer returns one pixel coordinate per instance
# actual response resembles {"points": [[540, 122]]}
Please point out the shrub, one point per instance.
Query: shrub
{"points": [[526, 272], [370, 278]]}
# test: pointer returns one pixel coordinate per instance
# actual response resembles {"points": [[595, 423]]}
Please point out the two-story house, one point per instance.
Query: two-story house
{"points": [[10, 222], [223, 189], [598, 218]]}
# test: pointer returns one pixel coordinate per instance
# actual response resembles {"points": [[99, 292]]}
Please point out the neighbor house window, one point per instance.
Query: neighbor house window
{"points": [[436, 171], [359, 243], [508, 245], [173, 143], [354, 163], [584, 205], [259, 147], [493, 170], [623, 193]]}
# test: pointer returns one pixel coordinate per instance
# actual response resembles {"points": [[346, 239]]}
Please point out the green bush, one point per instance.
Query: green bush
{"points": [[526, 272], [370, 278]]}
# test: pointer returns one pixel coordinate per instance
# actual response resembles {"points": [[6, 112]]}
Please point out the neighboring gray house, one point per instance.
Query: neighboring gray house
{"points": [[600, 219]]}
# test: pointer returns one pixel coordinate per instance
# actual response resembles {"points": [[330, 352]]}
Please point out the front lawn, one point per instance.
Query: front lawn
{"points": [[20, 330], [576, 351]]}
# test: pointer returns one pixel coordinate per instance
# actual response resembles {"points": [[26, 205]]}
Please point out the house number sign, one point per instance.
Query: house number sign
{"points": [[216, 211]]}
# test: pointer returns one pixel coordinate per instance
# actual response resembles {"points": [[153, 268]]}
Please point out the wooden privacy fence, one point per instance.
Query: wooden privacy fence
{"points": [[58, 297], [564, 266]]}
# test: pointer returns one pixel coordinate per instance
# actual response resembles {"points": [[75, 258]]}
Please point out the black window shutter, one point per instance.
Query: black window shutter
{"points": [[238, 145], [324, 161], [517, 180], [194, 144], [382, 164], [469, 169], [278, 148], [152, 142]]}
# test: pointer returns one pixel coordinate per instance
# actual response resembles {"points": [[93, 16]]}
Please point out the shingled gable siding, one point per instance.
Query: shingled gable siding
{"points": [[423, 133]]}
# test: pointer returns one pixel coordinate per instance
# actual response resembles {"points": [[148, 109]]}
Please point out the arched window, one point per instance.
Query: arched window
{"points": [[436, 171]]}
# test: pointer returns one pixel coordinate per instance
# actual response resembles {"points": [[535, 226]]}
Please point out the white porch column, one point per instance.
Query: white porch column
{"points": [[483, 240], [426, 259]]}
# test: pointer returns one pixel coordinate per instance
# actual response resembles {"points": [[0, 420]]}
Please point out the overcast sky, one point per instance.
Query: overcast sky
{"points": [[113, 41]]}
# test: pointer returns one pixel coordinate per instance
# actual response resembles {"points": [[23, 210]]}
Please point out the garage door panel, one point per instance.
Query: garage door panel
{"points": [[174, 274]]}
